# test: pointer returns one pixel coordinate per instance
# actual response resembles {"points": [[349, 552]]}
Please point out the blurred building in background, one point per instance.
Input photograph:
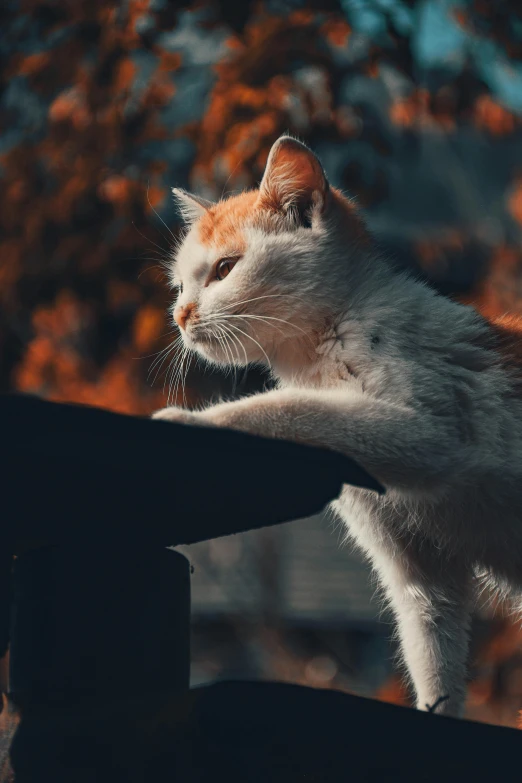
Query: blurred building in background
{"points": [[415, 107], [296, 586]]}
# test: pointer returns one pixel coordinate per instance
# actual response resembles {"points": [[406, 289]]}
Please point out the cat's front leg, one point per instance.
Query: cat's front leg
{"points": [[244, 415], [175, 414], [402, 447], [249, 414]]}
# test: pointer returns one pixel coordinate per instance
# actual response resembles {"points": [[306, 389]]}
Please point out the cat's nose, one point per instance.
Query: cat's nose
{"points": [[183, 313]]}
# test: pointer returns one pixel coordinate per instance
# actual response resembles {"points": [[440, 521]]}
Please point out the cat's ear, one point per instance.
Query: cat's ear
{"points": [[293, 180], [191, 207]]}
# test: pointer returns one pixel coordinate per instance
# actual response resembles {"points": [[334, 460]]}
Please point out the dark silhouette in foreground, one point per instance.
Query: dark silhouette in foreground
{"points": [[98, 614]]}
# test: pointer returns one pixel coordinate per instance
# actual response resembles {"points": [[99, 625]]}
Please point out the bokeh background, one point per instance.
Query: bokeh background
{"points": [[415, 107]]}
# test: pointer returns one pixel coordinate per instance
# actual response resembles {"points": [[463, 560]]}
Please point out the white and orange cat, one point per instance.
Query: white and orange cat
{"points": [[371, 362]]}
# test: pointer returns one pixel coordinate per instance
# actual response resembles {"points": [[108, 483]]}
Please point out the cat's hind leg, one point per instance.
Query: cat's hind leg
{"points": [[430, 596]]}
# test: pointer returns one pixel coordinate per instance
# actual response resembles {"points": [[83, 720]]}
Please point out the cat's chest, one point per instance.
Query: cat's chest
{"points": [[333, 362], [331, 366], [322, 375]]}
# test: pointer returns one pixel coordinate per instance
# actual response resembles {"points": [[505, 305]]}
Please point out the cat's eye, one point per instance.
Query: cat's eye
{"points": [[224, 267]]}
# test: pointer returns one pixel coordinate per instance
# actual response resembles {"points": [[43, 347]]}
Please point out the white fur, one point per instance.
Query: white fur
{"points": [[374, 364], [191, 207]]}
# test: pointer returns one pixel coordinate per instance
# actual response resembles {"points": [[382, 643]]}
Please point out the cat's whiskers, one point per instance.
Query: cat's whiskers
{"points": [[257, 318], [221, 322], [225, 319], [236, 341], [154, 266], [255, 299], [234, 327], [214, 316], [175, 375], [225, 341], [161, 362], [172, 234], [161, 249], [227, 334], [162, 357], [224, 312], [184, 377], [171, 369], [181, 377], [231, 340], [152, 355], [267, 318]]}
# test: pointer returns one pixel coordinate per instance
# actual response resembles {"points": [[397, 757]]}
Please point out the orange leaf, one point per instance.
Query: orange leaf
{"points": [[147, 328]]}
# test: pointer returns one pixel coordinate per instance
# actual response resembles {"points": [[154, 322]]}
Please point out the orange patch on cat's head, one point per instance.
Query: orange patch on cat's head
{"points": [[223, 224]]}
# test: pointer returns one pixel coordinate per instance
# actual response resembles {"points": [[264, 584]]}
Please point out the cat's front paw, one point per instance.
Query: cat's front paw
{"points": [[178, 415]]}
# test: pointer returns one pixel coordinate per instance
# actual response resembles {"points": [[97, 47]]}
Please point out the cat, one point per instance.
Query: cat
{"points": [[370, 361]]}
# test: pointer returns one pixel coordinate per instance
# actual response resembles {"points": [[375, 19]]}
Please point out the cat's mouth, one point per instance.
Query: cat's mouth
{"points": [[198, 337], [217, 345], [203, 335]]}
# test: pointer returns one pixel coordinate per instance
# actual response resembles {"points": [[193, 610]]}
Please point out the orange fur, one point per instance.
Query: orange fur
{"points": [[221, 225], [184, 313], [294, 184]]}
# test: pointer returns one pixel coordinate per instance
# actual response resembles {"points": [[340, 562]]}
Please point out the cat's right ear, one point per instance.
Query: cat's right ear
{"points": [[191, 207]]}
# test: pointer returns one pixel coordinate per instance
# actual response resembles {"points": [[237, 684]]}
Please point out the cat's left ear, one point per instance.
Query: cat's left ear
{"points": [[294, 180], [191, 207]]}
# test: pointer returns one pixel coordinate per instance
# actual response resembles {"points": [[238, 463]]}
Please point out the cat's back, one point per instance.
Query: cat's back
{"points": [[505, 342]]}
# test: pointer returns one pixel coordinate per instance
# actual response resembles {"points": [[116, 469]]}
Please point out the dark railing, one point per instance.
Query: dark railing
{"points": [[97, 613]]}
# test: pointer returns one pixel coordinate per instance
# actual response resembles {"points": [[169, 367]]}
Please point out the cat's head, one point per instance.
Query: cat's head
{"points": [[257, 273]]}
